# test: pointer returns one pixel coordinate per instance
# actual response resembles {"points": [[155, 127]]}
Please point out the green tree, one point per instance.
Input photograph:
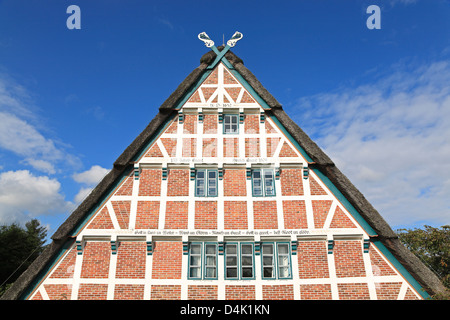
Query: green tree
{"points": [[432, 246], [19, 247]]}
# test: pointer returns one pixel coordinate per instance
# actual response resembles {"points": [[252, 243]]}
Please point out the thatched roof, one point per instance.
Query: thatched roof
{"points": [[320, 161]]}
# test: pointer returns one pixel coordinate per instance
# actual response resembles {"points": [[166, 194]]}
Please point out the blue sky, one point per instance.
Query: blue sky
{"points": [[377, 101]]}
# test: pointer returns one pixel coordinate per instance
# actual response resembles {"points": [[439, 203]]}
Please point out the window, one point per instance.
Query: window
{"points": [[202, 260], [206, 183], [263, 182], [239, 261], [230, 123], [276, 261]]}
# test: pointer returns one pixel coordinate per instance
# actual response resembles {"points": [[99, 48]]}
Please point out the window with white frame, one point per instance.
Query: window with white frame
{"points": [[206, 183], [276, 260], [230, 123], [263, 182], [239, 261], [202, 260]]}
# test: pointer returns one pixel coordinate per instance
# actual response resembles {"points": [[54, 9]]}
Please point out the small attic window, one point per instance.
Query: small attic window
{"points": [[230, 123]]}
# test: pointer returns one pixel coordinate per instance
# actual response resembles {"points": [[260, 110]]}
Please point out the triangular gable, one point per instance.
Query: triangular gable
{"points": [[335, 205]]}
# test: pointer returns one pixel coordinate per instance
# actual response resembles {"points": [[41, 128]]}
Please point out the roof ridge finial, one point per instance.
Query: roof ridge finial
{"points": [[230, 43], [235, 38], [206, 39]]}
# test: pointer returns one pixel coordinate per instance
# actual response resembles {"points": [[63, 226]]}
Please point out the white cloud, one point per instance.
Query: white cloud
{"points": [[41, 165], [92, 176], [391, 138], [24, 196], [82, 194], [21, 131]]}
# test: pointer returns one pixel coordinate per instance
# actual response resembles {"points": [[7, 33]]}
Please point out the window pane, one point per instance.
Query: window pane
{"points": [[210, 272], [230, 249], [268, 182], [247, 261], [200, 183], [195, 260], [283, 261], [268, 272], [231, 272], [267, 261], [231, 261], [200, 174], [267, 248], [212, 183], [284, 272], [257, 183], [247, 272], [211, 260], [211, 249], [247, 249], [282, 249], [194, 272], [195, 249]]}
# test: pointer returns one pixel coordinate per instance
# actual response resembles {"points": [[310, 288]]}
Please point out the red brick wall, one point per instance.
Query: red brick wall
{"points": [[312, 259], [176, 215], [129, 292], [89, 291], [202, 292], [205, 215], [238, 292], [147, 215], [269, 127], [265, 215], [340, 220], [167, 256], [271, 145], [348, 259], [316, 189], [251, 123], [210, 123], [58, 291], [320, 212], [166, 292], [150, 182], [353, 291], [379, 266], [291, 182], [235, 215], [294, 212], [190, 123], [178, 182], [189, 148], [228, 78], [126, 188], [209, 147], [234, 182], [66, 268], [122, 211], [154, 151], [287, 151], [102, 220], [173, 126], [315, 292], [252, 147], [131, 259], [388, 290], [170, 144], [231, 147], [96, 255], [278, 292]]}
